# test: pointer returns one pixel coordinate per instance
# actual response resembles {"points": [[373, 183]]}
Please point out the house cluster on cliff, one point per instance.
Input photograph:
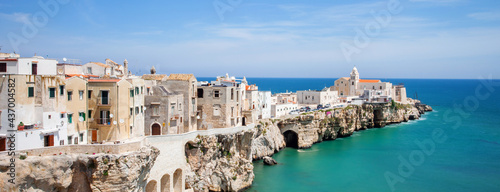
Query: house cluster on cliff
{"points": [[71, 104]]}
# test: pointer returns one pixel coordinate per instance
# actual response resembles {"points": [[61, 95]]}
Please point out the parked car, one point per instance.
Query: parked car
{"points": [[328, 106]]}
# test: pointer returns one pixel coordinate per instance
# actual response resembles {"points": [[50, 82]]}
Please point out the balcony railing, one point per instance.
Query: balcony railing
{"points": [[104, 101], [103, 121]]}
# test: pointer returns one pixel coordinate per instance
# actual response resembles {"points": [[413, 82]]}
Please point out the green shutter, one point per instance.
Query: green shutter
{"points": [[70, 118], [131, 93], [52, 92], [31, 92]]}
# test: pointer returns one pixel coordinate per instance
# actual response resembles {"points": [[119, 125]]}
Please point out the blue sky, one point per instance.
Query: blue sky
{"points": [[422, 39]]}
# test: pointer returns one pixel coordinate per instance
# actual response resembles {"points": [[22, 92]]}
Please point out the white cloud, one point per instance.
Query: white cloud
{"points": [[487, 16], [16, 17]]}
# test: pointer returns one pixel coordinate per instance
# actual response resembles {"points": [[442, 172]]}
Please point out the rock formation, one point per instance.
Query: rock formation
{"points": [[269, 161], [100, 172], [220, 162], [267, 139]]}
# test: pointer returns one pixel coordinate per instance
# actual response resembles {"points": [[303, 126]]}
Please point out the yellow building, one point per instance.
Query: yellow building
{"points": [[108, 105], [78, 114]]}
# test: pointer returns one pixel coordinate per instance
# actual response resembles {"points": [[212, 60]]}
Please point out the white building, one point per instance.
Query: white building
{"points": [[323, 97], [40, 118], [265, 104], [35, 65], [279, 110]]}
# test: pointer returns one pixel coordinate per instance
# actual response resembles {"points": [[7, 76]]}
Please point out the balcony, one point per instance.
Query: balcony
{"points": [[103, 121], [104, 101]]}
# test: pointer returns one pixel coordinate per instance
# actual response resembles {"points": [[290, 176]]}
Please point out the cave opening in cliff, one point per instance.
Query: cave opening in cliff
{"points": [[378, 117], [291, 139]]}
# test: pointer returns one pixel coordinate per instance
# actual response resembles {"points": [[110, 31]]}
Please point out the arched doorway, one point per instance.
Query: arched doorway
{"points": [[156, 129], [178, 180], [291, 139], [151, 186], [165, 183]]}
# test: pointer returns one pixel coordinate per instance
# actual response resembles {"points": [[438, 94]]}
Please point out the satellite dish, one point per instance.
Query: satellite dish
{"points": [[114, 122], [12, 55], [80, 119], [144, 108], [111, 115], [122, 121], [64, 59]]}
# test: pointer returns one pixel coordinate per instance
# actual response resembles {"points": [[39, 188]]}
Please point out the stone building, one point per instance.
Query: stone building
{"points": [[220, 103], [165, 112], [354, 86], [185, 84], [137, 106]]}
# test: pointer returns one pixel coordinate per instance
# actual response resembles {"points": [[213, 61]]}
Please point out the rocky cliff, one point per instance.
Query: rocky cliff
{"points": [[309, 128], [99, 172], [267, 139], [220, 162]]}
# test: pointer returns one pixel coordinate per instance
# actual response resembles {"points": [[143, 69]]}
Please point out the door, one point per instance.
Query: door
{"points": [[156, 129], [94, 136], [34, 69], [104, 98], [48, 140], [3, 144], [243, 121]]}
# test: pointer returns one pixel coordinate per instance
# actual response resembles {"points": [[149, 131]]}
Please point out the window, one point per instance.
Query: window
{"points": [[380, 87], [131, 93], [81, 137], [76, 140], [156, 110], [137, 90], [70, 95], [130, 129], [89, 114], [216, 110], [50, 116], [70, 138], [200, 93], [148, 90], [172, 108], [193, 101], [89, 70], [136, 110], [142, 109], [61, 89], [82, 115], [232, 93], [81, 94], [352, 83], [131, 111], [216, 93], [62, 115], [70, 118], [52, 92], [31, 92], [3, 67], [180, 106], [142, 90], [89, 92]]}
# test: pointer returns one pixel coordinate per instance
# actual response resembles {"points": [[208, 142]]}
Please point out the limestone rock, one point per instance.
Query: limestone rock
{"points": [[100, 172], [269, 161]]}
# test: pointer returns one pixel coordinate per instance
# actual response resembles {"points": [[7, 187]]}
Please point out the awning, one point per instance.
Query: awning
{"points": [[49, 131]]}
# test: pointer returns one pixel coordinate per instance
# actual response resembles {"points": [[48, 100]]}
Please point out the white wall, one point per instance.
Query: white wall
{"points": [[279, 110]]}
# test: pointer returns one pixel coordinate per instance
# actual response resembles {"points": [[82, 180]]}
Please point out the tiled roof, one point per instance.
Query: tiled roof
{"points": [[80, 75], [180, 77], [369, 81], [153, 76], [104, 80], [100, 64]]}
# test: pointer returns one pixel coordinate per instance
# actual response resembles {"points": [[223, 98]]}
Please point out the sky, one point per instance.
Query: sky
{"points": [[442, 39]]}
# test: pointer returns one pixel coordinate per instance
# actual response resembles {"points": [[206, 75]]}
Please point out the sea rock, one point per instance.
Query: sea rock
{"points": [[269, 161]]}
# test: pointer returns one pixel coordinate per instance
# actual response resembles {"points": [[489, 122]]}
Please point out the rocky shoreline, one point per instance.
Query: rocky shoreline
{"points": [[222, 162]]}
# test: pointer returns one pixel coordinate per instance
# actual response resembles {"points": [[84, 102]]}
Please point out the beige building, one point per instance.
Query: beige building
{"points": [[78, 114], [109, 104], [136, 105]]}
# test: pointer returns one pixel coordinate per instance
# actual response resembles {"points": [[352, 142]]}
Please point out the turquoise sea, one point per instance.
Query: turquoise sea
{"points": [[463, 156]]}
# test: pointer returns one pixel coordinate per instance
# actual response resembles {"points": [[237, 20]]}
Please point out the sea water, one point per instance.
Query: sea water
{"points": [[467, 158]]}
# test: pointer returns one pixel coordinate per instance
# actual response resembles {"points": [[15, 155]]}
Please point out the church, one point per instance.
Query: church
{"points": [[354, 86]]}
